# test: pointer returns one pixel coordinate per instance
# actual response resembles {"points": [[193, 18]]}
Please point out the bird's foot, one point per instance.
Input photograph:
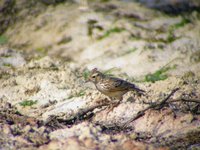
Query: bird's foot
{"points": [[112, 106]]}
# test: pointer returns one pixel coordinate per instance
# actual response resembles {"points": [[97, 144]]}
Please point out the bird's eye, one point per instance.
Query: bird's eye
{"points": [[95, 75]]}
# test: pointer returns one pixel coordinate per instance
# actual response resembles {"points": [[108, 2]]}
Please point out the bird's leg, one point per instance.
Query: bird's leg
{"points": [[111, 102], [113, 105]]}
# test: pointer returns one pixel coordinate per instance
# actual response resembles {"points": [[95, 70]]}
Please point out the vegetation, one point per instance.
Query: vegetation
{"points": [[27, 103], [7, 65], [171, 36], [183, 22], [86, 74], [111, 31], [3, 39], [159, 74]]}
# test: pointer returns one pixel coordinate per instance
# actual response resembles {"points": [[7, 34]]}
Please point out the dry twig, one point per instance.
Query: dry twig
{"points": [[152, 106]]}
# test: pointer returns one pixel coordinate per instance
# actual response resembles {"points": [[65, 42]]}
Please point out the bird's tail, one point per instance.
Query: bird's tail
{"points": [[133, 87]]}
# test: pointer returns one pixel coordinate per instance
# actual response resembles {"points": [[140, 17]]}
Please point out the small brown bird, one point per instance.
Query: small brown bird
{"points": [[112, 87]]}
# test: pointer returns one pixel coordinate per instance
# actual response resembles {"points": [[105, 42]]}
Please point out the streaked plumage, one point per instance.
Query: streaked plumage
{"points": [[111, 86]]}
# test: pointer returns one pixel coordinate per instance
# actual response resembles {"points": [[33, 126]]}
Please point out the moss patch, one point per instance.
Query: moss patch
{"points": [[159, 74], [28, 103], [111, 31], [3, 39]]}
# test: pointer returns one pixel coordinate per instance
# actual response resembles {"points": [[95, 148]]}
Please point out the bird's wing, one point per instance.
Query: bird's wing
{"points": [[115, 84]]}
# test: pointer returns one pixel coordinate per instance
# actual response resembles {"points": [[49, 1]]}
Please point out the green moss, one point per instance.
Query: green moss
{"points": [[3, 39], [27, 103], [86, 74], [172, 29], [183, 22], [158, 75], [111, 31], [7, 65], [171, 37]]}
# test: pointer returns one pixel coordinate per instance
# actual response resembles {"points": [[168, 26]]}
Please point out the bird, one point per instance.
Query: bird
{"points": [[111, 86]]}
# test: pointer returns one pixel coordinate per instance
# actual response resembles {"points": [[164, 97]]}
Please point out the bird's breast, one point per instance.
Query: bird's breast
{"points": [[102, 87]]}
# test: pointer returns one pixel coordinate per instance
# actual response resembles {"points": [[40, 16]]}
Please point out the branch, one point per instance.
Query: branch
{"points": [[154, 105], [163, 102]]}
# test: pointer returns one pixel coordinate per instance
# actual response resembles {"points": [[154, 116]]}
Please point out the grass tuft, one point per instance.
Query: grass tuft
{"points": [[86, 74], [159, 74], [27, 103]]}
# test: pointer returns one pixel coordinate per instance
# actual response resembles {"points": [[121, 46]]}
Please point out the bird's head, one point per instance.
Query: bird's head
{"points": [[95, 76]]}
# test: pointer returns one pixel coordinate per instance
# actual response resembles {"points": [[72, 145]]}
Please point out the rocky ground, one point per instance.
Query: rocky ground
{"points": [[47, 51]]}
